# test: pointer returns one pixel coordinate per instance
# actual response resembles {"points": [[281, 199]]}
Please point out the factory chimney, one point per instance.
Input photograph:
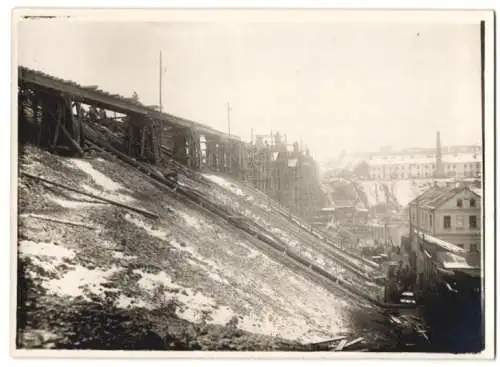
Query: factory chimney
{"points": [[439, 158]]}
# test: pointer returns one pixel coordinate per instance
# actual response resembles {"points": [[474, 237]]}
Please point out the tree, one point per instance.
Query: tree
{"points": [[362, 169]]}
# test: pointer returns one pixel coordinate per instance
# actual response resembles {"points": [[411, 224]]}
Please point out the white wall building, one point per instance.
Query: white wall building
{"points": [[457, 165]]}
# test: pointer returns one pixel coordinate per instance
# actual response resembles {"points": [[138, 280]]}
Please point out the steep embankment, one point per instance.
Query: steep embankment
{"points": [[181, 275], [247, 203]]}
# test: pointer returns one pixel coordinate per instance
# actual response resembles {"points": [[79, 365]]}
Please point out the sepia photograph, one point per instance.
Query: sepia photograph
{"points": [[205, 181]]}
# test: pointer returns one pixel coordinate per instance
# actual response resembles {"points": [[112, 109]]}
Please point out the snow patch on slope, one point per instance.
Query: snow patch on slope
{"points": [[193, 303], [74, 282], [225, 184], [98, 177], [50, 249], [194, 221], [71, 283], [108, 195]]}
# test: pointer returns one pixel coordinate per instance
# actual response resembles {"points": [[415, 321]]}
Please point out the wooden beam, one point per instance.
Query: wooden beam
{"points": [[57, 220], [143, 141], [73, 142]]}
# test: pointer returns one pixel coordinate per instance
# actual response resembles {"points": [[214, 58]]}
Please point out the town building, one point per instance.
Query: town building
{"points": [[451, 213], [441, 162], [444, 245], [421, 166], [415, 163]]}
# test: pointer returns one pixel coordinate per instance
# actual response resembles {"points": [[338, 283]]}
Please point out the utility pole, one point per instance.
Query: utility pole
{"points": [[228, 118], [161, 84]]}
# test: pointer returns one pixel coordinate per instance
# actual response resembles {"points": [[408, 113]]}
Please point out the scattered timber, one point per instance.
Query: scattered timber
{"points": [[201, 200], [57, 220], [341, 345], [355, 341], [254, 230], [110, 201]]}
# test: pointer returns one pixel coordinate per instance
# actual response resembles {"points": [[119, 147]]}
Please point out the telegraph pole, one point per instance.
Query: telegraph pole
{"points": [[228, 118], [161, 76]]}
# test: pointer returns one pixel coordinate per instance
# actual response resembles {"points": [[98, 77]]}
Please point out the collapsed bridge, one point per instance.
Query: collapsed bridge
{"points": [[52, 113]]}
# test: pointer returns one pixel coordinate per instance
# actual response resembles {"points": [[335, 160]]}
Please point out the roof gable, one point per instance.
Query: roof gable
{"points": [[435, 197], [460, 193]]}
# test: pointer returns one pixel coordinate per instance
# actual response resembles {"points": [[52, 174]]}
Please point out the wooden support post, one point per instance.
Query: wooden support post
{"points": [[39, 124], [59, 120], [68, 116], [131, 140], [195, 145], [210, 158], [143, 141], [189, 150], [155, 143], [217, 158], [73, 142]]}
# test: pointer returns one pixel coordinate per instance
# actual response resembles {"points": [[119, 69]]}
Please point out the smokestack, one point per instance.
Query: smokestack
{"points": [[439, 162]]}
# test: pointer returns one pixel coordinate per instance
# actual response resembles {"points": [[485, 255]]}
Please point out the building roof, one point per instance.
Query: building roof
{"points": [[445, 246], [451, 261], [477, 191], [434, 197]]}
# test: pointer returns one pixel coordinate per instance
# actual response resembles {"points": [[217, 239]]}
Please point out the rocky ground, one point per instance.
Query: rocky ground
{"points": [[183, 281]]}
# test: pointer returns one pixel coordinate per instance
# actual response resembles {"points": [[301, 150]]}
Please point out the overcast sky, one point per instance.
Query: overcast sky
{"points": [[338, 86]]}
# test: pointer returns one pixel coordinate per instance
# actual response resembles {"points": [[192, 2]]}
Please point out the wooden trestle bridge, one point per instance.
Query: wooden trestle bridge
{"points": [[59, 108], [61, 115]]}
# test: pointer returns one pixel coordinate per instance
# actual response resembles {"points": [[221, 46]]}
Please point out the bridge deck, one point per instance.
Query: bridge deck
{"points": [[94, 96]]}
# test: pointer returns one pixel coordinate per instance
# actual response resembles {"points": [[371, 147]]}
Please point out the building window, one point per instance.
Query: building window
{"points": [[430, 220], [472, 221], [472, 203], [473, 247], [459, 203], [447, 221], [466, 203], [460, 221]]}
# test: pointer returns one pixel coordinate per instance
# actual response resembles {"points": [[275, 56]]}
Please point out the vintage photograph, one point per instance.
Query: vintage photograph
{"points": [[252, 181]]}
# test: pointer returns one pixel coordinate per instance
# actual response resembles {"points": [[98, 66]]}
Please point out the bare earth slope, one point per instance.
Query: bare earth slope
{"points": [[185, 271]]}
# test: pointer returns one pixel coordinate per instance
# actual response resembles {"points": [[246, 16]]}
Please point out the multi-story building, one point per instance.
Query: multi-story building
{"points": [[444, 162], [451, 213], [443, 249], [456, 165]]}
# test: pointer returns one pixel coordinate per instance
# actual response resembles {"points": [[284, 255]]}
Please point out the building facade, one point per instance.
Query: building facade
{"points": [[440, 162], [418, 166], [451, 214]]}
